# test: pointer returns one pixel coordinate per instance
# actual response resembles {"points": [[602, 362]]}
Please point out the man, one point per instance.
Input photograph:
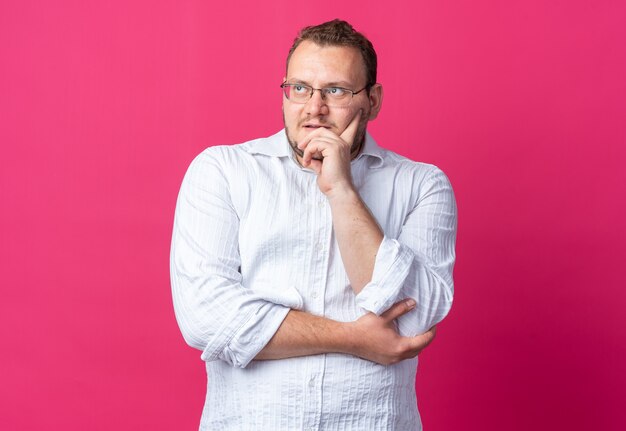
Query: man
{"points": [[305, 265]]}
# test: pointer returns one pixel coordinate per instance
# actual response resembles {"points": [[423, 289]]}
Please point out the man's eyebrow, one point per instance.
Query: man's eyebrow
{"points": [[297, 81], [342, 84]]}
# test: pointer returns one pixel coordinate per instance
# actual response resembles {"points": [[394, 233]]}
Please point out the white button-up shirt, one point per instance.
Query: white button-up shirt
{"points": [[253, 238]]}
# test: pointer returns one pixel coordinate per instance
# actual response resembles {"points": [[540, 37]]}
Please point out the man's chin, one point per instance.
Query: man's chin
{"points": [[296, 150]]}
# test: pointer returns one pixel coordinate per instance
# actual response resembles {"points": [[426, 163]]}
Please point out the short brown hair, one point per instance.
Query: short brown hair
{"points": [[340, 33]]}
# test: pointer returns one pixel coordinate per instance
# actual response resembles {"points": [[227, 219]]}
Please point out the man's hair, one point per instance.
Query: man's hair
{"points": [[340, 33]]}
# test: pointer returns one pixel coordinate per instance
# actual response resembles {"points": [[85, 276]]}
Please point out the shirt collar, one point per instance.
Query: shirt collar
{"points": [[278, 146], [371, 149], [275, 145]]}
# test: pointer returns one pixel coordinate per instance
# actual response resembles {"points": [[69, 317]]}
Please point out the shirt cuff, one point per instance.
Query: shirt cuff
{"points": [[249, 338], [392, 266]]}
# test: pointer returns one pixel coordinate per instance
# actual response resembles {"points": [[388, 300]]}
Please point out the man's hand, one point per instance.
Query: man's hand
{"points": [[376, 338], [329, 155], [371, 337]]}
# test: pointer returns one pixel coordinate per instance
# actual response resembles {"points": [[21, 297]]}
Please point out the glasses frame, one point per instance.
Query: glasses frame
{"points": [[321, 90]]}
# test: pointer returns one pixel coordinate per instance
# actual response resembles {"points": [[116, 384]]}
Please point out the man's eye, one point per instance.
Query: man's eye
{"points": [[336, 91], [299, 89]]}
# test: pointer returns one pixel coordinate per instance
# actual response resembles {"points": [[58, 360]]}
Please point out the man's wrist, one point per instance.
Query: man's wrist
{"points": [[343, 193], [346, 339]]}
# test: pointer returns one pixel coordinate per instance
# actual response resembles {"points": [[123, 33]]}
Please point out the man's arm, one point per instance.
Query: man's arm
{"points": [[371, 337], [215, 312], [358, 234], [417, 264]]}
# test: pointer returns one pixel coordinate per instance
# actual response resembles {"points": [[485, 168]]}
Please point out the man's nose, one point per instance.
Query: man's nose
{"points": [[317, 104]]}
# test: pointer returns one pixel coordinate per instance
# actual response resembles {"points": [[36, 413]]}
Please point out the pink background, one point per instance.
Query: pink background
{"points": [[103, 104]]}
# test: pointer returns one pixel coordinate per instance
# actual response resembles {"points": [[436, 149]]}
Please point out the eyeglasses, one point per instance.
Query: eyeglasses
{"points": [[334, 96]]}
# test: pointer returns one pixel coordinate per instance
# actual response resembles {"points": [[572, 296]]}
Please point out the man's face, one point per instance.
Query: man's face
{"points": [[328, 66]]}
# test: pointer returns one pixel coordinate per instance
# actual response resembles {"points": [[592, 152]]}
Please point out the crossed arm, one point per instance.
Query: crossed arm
{"points": [[371, 337], [229, 322], [359, 237]]}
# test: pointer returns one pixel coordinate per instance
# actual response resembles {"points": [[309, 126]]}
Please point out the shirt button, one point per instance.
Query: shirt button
{"points": [[320, 246], [320, 204], [312, 381], [314, 295]]}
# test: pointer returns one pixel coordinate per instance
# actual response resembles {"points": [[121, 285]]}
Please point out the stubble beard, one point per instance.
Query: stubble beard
{"points": [[357, 145]]}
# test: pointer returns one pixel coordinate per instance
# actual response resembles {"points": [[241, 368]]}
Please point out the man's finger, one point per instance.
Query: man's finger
{"points": [[398, 309], [307, 139], [420, 342], [350, 132], [314, 148]]}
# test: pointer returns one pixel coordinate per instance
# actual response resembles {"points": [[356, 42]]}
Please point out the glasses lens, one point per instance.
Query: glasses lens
{"points": [[337, 96], [297, 93]]}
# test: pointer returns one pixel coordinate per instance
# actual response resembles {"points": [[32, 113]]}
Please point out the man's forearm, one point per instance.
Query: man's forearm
{"points": [[303, 334], [358, 235]]}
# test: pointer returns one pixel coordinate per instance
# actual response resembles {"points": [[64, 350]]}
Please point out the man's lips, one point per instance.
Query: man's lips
{"points": [[315, 126]]}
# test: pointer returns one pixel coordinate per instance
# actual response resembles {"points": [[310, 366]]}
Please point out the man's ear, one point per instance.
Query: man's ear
{"points": [[376, 100], [283, 94]]}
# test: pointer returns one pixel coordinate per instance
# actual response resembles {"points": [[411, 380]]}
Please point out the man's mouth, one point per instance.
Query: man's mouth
{"points": [[315, 126]]}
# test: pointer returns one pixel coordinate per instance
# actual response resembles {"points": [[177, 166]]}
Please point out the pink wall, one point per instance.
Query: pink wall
{"points": [[104, 103]]}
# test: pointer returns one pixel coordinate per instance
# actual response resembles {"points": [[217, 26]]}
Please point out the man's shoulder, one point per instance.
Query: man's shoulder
{"points": [[404, 165], [270, 145], [236, 159]]}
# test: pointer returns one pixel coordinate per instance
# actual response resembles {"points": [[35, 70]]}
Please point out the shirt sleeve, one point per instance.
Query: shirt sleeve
{"points": [[215, 312], [419, 263]]}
